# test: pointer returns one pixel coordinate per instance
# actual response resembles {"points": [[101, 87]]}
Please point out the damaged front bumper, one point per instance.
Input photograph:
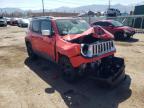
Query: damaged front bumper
{"points": [[110, 71], [129, 34], [111, 80]]}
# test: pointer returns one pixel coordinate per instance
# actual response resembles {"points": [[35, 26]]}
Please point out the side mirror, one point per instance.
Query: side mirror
{"points": [[46, 32]]}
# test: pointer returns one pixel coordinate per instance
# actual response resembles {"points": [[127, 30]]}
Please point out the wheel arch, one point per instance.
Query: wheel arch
{"points": [[117, 32], [27, 42], [59, 55]]}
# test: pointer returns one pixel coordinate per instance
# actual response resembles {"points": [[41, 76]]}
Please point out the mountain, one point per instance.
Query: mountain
{"points": [[11, 10], [94, 8], [81, 9]]}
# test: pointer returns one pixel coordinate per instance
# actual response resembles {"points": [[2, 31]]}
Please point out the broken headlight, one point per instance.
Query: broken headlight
{"points": [[87, 50]]}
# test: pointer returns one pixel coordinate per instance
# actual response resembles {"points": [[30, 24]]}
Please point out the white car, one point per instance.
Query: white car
{"points": [[3, 22], [23, 22], [113, 12]]}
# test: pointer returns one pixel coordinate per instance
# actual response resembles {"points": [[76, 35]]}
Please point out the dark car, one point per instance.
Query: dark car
{"points": [[116, 28], [3, 22], [14, 21]]}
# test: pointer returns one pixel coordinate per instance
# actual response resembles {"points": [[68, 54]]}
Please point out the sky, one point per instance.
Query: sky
{"points": [[51, 4]]}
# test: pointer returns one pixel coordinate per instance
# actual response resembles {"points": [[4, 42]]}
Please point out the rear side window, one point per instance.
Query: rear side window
{"points": [[36, 26], [97, 23], [106, 24], [102, 23]]}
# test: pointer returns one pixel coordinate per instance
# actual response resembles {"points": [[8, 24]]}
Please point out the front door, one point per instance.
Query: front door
{"points": [[48, 41]]}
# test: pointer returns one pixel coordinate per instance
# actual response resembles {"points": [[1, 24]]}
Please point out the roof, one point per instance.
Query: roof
{"points": [[104, 20], [55, 18]]}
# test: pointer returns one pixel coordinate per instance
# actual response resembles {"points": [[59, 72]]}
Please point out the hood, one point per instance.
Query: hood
{"points": [[25, 21], [91, 31]]}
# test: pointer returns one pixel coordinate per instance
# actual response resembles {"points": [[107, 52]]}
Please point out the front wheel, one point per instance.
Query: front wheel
{"points": [[69, 74]]}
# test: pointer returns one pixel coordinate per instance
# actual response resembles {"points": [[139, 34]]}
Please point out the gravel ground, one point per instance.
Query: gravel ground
{"points": [[37, 84]]}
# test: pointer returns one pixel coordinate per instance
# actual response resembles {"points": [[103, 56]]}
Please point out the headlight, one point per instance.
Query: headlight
{"points": [[87, 50]]}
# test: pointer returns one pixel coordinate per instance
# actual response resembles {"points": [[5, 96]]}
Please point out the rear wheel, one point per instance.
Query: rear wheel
{"points": [[69, 74], [30, 51]]}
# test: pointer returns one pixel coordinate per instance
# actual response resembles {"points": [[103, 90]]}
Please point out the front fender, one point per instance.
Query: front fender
{"points": [[68, 49]]}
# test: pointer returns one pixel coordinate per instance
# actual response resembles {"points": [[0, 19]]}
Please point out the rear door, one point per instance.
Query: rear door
{"points": [[36, 36], [48, 41]]}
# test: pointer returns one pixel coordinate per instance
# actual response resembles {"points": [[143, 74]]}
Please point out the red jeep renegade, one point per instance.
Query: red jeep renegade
{"points": [[78, 48]]}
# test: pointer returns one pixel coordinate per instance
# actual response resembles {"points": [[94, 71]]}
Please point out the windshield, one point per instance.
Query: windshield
{"points": [[72, 26], [117, 24], [25, 20]]}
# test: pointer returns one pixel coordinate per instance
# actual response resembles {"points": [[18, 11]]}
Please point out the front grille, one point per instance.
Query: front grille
{"points": [[103, 47], [100, 48]]}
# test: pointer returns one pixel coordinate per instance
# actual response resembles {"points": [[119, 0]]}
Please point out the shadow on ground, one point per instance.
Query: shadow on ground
{"points": [[85, 93], [131, 40]]}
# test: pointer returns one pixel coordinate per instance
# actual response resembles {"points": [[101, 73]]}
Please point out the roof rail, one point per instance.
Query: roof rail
{"points": [[43, 17]]}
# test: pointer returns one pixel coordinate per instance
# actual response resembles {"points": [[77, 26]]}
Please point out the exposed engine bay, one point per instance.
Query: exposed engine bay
{"points": [[108, 69], [88, 39]]}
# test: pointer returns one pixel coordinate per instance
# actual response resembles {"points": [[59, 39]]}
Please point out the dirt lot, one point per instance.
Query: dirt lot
{"points": [[37, 84]]}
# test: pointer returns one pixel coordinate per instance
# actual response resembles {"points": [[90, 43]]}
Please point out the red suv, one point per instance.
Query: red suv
{"points": [[78, 48], [116, 28]]}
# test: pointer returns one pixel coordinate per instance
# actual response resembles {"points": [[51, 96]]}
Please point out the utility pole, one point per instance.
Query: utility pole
{"points": [[0, 12], [43, 7], [109, 4]]}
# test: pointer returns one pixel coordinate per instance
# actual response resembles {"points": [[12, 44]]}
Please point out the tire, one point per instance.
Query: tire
{"points": [[19, 25], [119, 36], [30, 51], [128, 37], [69, 74]]}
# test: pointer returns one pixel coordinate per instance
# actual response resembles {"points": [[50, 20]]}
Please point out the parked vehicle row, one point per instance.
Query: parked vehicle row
{"points": [[116, 28], [20, 22]]}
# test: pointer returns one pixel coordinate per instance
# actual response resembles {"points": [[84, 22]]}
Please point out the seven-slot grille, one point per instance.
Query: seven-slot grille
{"points": [[103, 47]]}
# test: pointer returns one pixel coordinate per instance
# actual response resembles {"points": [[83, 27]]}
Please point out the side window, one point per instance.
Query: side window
{"points": [[35, 26], [106, 24], [98, 23], [46, 25]]}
